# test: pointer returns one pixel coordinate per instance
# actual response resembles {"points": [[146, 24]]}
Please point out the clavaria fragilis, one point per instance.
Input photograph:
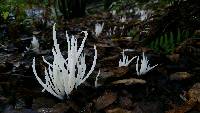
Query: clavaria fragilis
{"points": [[144, 67], [64, 75]]}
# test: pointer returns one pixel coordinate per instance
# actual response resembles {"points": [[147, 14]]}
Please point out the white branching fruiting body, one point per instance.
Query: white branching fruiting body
{"points": [[64, 75], [144, 67], [98, 29], [123, 19], [125, 61], [113, 12], [35, 44]]}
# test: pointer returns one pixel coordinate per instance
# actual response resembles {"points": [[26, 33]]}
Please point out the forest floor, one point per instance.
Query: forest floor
{"points": [[173, 86]]}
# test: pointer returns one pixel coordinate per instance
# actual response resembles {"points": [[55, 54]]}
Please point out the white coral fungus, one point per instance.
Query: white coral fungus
{"points": [[98, 29], [144, 67], [34, 45], [125, 61], [64, 75], [123, 19]]}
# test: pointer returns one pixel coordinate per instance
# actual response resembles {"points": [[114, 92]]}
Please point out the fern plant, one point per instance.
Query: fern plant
{"points": [[167, 42]]}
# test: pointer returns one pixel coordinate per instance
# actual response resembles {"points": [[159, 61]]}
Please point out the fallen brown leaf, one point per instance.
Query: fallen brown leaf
{"points": [[105, 100], [129, 81], [180, 76], [118, 110]]}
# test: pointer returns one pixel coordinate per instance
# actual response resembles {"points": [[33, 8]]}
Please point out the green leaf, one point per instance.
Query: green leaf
{"points": [[171, 41], [152, 45], [161, 41], [178, 40], [165, 44], [5, 15], [157, 43]]}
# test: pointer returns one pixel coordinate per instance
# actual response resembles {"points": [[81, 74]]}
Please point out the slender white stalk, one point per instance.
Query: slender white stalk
{"points": [[96, 83]]}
